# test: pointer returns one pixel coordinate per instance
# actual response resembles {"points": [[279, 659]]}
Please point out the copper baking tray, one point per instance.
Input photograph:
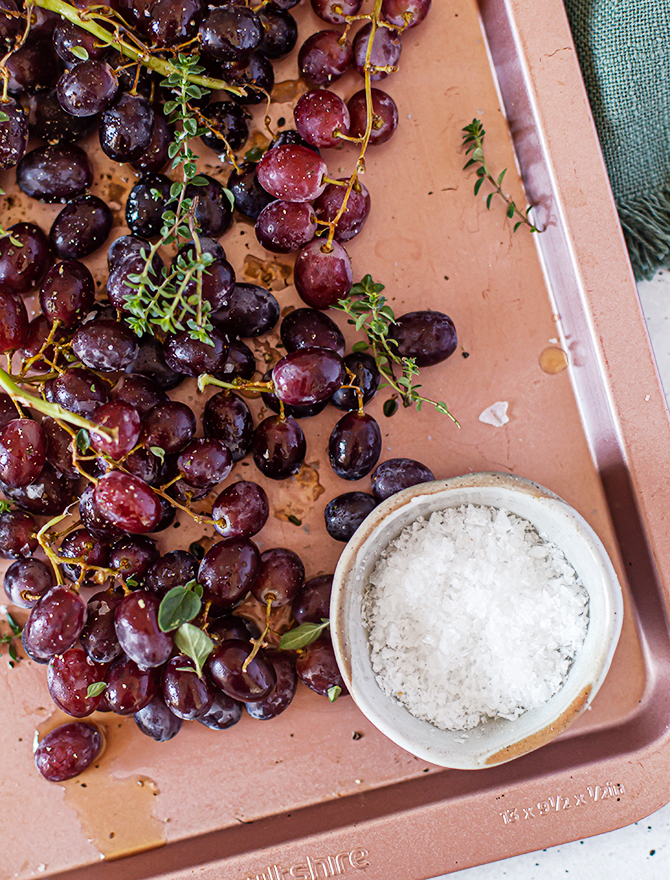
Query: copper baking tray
{"points": [[302, 796]]}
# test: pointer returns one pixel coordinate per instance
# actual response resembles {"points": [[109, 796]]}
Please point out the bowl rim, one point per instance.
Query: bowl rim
{"points": [[343, 592]]}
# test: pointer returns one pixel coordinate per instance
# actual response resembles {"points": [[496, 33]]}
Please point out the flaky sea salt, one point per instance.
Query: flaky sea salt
{"points": [[471, 615]]}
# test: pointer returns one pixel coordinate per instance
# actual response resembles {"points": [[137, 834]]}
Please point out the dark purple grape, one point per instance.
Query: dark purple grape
{"points": [[23, 451], [285, 4], [328, 205], [18, 532], [105, 345], [240, 362], [334, 11], [285, 688], [80, 391], [144, 464], [241, 510], [228, 570], [67, 36], [366, 377], [216, 283], [168, 514], [308, 375], [48, 495], [55, 623], [344, 514], [317, 668], [184, 692], [157, 721], [139, 392], [325, 57], [231, 121], [312, 604], [397, 474], [279, 578], [250, 311], [231, 627], [133, 556], [26, 581], [256, 76], [85, 548], [129, 688], [13, 134], [59, 446], [136, 12], [13, 322], [151, 364], [429, 337], [225, 669], [32, 67], [207, 246], [55, 173], [386, 48], [155, 157], [67, 293], [81, 228], [305, 328], [205, 463], [222, 714], [283, 227], [298, 412], [170, 426], [145, 208], [8, 411], [69, 677], [87, 89], [68, 750], [174, 22], [320, 116], [126, 128], [231, 33], [405, 13], [293, 173], [127, 502], [384, 120], [280, 32], [226, 417], [98, 637], [250, 197], [213, 213], [322, 275], [10, 23], [291, 136], [39, 331], [355, 446], [174, 569], [127, 246], [23, 266], [93, 520], [191, 357], [49, 122], [136, 623], [279, 447]]}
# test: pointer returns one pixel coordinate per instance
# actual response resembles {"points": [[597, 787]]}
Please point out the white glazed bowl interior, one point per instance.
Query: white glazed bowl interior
{"points": [[497, 740]]}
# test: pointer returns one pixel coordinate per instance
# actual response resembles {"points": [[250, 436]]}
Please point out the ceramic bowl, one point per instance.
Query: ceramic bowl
{"points": [[496, 740]]}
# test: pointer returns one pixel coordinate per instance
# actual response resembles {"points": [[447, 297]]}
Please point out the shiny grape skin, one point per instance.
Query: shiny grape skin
{"points": [[169, 426], [14, 325], [205, 463], [322, 277], [168, 514], [174, 569], [386, 49], [231, 33], [222, 714], [98, 638], [87, 89], [59, 445], [298, 412], [23, 451], [213, 212], [8, 411], [185, 694], [144, 211], [13, 134], [133, 556], [227, 417], [67, 293], [250, 311], [405, 13], [127, 502], [157, 721], [355, 446], [155, 157], [231, 627], [151, 364], [293, 173], [280, 32], [312, 604], [9, 22], [175, 21], [69, 676], [328, 205], [231, 121], [55, 173], [80, 391], [279, 578], [283, 227], [218, 281], [305, 328], [325, 57], [32, 67], [49, 122], [256, 77], [27, 576], [317, 668], [23, 267], [18, 532], [54, 623], [385, 119], [427, 336], [225, 669], [241, 510], [397, 474], [366, 377], [334, 11], [126, 127], [344, 514], [279, 447], [291, 136], [282, 696], [48, 495], [67, 35], [319, 116], [67, 751], [38, 332], [192, 357], [240, 362], [228, 570], [136, 624], [80, 544], [126, 246], [81, 228], [308, 375], [129, 688], [250, 197], [104, 345], [140, 392], [92, 519]]}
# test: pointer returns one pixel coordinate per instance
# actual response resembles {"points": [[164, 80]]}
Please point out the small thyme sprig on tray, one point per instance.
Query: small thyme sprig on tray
{"points": [[10, 638], [369, 311], [473, 141]]}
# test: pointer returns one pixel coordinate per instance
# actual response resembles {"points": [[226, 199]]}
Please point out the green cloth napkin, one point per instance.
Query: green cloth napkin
{"points": [[624, 51]]}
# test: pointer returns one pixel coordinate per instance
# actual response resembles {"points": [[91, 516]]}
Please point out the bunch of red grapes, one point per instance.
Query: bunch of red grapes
{"points": [[110, 653]]}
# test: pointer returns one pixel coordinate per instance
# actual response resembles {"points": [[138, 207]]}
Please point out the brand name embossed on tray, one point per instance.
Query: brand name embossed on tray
{"points": [[556, 803], [316, 867]]}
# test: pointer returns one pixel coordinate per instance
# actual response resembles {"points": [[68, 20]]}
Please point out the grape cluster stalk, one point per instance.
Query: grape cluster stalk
{"points": [[96, 457]]}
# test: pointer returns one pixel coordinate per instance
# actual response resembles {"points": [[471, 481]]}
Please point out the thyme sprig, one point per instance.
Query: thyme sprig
{"points": [[368, 310], [10, 638], [473, 141]]}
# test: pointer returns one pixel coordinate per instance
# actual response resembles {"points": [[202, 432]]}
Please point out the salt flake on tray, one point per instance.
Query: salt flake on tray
{"points": [[496, 414]]}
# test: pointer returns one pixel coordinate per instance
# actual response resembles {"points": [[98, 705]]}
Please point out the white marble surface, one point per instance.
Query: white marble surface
{"points": [[642, 850]]}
